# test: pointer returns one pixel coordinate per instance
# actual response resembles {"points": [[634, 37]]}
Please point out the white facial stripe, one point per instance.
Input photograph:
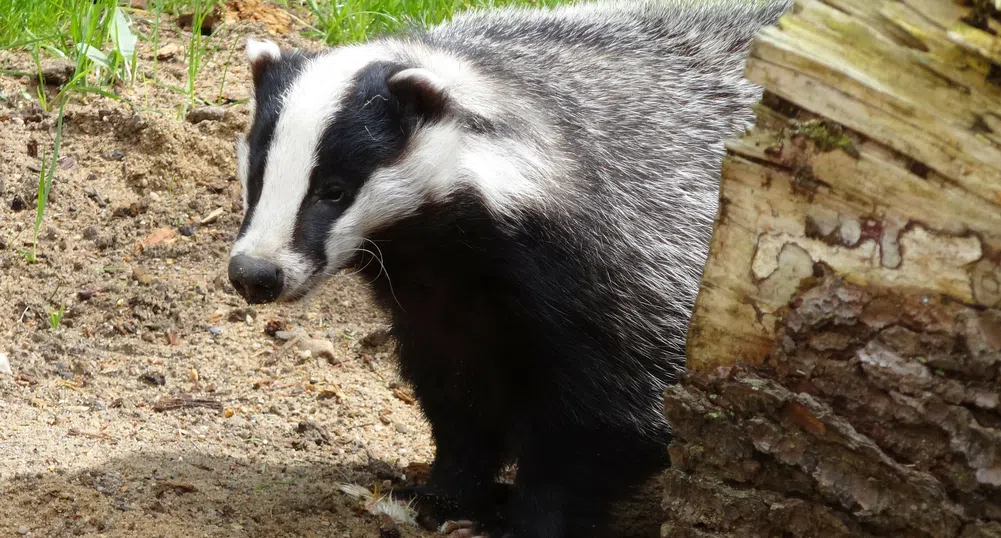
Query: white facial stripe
{"points": [[439, 160], [307, 109]]}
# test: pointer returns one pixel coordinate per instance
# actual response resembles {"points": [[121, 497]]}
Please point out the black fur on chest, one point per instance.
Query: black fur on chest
{"points": [[501, 333]]}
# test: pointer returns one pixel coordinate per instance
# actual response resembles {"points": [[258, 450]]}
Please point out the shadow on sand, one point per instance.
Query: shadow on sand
{"points": [[197, 495]]}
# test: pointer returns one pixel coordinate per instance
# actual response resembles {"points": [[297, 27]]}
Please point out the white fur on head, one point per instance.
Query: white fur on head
{"points": [[260, 51]]}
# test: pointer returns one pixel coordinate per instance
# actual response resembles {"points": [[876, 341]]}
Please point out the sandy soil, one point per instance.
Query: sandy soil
{"points": [[134, 246]]}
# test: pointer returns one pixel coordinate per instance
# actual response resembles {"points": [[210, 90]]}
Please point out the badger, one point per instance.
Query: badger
{"points": [[529, 193]]}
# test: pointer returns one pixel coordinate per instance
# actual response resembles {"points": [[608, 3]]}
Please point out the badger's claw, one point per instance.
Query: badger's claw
{"points": [[459, 529], [469, 529]]}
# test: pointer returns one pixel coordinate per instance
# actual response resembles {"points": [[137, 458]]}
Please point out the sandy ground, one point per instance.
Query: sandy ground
{"points": [[134, 247]]}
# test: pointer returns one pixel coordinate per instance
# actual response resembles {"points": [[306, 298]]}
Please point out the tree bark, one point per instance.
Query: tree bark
{"points": [[844, 368]]}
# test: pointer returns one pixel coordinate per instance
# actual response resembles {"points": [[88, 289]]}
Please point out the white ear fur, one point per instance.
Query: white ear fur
{"points": [[258, 51], [419, 77]]}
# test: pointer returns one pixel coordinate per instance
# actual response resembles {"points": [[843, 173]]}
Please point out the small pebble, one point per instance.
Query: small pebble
{"points": [[187, 230], [5, 365], [284, 335], [242, 314], [318, 348], [23, 530], [216, 331], [168, 51], [402, 428], [113, 155], [141, 275]]}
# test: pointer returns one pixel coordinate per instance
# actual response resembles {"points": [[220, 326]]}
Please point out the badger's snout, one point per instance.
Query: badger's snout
{"points": [[257, 280]]}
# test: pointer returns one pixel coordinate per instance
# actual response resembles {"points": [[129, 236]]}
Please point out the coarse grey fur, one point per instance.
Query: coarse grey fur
{"points": [[630, 101], [563, 187]]}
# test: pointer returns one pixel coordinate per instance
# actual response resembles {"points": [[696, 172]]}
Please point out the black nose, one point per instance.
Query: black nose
{"points": [[257, 280]]}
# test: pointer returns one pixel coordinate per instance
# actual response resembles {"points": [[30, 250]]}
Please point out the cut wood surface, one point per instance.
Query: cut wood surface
{"points": [[844, 355], [877, 152]]}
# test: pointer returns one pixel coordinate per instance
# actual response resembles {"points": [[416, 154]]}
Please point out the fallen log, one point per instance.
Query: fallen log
{"points": [[844, 356]]}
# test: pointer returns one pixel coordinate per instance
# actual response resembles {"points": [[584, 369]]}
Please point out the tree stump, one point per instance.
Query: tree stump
{"points": [[844, 368]]}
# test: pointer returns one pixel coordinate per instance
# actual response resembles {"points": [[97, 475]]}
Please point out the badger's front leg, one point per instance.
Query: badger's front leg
{"points": [[569, 478], [468, 427]]}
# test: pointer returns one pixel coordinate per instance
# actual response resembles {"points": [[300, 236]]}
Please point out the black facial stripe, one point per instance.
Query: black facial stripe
{"points": [[366, 134], [271, 82]]}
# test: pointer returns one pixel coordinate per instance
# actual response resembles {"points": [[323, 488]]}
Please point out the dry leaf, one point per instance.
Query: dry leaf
{"points": [[159, 236]]}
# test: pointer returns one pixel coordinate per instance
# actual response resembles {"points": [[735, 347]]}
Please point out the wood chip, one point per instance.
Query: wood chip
{"points": [[170, 404], [66, 163], [91, 435], [213, 216], [173, 338], [404, 395], [263, 382], [327, 393]]}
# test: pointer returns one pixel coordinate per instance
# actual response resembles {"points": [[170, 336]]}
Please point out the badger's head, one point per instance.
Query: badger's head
{"points": [[342, 144]]}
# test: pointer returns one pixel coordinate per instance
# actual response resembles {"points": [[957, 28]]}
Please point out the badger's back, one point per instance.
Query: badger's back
{"points": [[636, 99]]}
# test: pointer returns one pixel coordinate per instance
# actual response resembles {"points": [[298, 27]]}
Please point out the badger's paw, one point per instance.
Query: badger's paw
{"points": [[459, 529]]}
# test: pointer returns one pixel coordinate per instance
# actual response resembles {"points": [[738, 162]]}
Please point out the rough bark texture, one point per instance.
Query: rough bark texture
{"points": [[877, 414], [845, 351]]}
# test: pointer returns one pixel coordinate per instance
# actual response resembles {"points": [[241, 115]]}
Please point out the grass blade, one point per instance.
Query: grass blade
{"points": [[45, 181], [94, 55]]}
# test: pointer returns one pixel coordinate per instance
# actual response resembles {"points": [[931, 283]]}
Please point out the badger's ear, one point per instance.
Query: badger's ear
{"points": [[421, 92], [261, 54]]}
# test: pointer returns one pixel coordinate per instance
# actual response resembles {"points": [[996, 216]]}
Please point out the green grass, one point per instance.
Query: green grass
{"points": [[56, 317], [347, 21]]}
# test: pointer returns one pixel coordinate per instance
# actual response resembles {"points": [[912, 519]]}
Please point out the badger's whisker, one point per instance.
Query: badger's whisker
{"points": [[382, 269], [362, 268]]}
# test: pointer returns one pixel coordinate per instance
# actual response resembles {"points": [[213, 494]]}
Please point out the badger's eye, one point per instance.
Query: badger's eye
{"points": [[333, 195]]}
